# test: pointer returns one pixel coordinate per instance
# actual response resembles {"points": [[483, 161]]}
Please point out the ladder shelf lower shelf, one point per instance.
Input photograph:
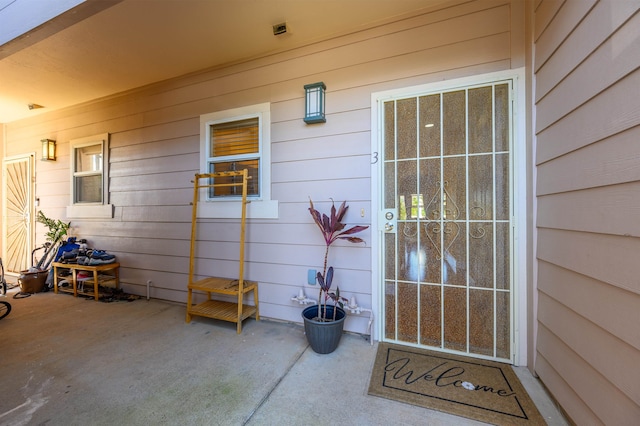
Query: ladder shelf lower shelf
{"points": [[221, 310]]}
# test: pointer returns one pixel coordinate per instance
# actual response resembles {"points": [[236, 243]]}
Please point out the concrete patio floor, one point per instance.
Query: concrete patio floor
{"points": [[73, 361]]}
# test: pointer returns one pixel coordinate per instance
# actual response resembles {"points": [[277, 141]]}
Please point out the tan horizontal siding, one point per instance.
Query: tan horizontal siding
{"points": [[558, 29], [611, 112], [564, 394], [544, 10], [579, 212], [169, 138], [355, 191], [595, 346], [602, 257], [145, 197], [321, 147], [587, 63], [350, 167], [585, 296], [596, 40], [610, 161], [144, 230], [607, 402], [155, 214], [158, 165], [180, 180], [602, 63]]}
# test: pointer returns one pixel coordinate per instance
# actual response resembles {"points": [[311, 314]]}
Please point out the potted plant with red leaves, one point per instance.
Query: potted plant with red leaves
{"points": [[324, 322]]}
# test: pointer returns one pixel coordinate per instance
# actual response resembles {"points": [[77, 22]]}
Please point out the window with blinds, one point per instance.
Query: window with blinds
{"points": [[237, 139], [235, 145]]}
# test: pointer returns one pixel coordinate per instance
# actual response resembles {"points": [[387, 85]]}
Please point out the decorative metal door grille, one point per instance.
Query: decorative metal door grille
{"points": [[447, 262], [17, 214]]}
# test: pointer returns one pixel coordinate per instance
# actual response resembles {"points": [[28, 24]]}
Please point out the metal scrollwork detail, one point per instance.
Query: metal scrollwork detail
{"points": [[407, 233], [434, 229], [479, 232], [443, 211], [481, 212]]}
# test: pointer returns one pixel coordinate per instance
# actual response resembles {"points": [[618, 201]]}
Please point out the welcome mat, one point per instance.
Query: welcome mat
{"points": [[482, 390]]}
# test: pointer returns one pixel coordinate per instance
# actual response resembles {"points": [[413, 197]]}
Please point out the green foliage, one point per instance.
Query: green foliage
{"points": [[57, 229]]}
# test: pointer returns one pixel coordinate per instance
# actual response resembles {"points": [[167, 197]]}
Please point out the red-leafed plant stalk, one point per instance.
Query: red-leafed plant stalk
{"points": [[332, 229]]}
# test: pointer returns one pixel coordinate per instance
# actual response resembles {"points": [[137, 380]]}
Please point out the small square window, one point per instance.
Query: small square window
{"points": [[235, 145], [237, 139]]}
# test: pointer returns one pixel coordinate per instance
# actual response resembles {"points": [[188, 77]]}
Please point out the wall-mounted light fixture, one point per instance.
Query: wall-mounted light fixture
{"points": [[314, 103], [48, 150]]}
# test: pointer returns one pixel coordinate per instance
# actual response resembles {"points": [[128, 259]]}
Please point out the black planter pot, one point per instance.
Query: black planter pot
{"points": [[323, 336]]}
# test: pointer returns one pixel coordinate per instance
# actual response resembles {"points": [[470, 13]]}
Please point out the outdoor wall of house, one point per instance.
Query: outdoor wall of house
{"points": [[587, 59], [2, 148], [154, 151]]}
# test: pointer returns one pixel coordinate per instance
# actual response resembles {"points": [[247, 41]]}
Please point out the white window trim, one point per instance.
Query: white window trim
{"points": [[259, 207], [102, 210]]}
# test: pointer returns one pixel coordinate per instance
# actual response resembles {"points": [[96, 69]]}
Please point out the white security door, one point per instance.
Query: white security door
{"points": [[17, 215], [447, 204]]}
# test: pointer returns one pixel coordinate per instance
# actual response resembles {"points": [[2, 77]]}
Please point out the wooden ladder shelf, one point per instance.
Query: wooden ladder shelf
{"points": [[237, 288]]}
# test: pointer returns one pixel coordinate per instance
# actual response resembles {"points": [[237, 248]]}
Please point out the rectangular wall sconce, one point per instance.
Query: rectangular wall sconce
{"points": [[314, 103], [48, 150]]}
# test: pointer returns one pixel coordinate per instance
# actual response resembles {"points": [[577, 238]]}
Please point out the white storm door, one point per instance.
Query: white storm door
{"points": [[17, 214], [447, 201]]}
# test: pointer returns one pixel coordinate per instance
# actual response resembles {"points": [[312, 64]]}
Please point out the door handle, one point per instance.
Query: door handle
{"points": [[389, 221]]}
